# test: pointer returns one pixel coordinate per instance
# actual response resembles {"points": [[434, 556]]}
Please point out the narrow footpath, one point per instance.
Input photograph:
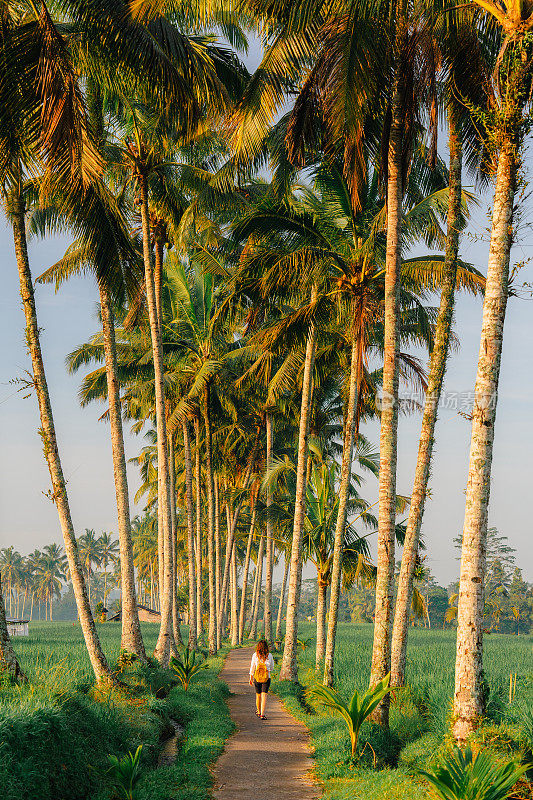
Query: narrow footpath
{"points": [[264, 758]]}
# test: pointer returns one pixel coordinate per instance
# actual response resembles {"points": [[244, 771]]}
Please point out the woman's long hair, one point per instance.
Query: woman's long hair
{"points": [[262, 650]]}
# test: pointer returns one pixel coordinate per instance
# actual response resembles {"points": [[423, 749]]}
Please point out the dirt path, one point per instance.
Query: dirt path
{"points": [[267, 758]]}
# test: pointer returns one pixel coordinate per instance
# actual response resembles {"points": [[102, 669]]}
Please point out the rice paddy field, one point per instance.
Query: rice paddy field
{"points": [[58, 730], [56, 662], [57, 648], [420, 714]]}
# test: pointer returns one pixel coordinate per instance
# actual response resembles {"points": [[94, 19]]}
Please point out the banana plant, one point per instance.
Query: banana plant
{"points": [[126, 774], [463, 775], [357, 710], [186, 668]]}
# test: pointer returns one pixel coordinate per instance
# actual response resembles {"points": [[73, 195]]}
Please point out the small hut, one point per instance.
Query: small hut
{"points": [[145, 615], [18, 627]]}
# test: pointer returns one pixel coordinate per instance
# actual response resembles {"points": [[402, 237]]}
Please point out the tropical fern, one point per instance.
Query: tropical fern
{"points": [[185, 669], [126, 774], [468, 776], [357, 710]]}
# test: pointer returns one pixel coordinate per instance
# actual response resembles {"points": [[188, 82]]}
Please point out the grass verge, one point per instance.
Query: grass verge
{"points": [[57, 731], [419, 720]]}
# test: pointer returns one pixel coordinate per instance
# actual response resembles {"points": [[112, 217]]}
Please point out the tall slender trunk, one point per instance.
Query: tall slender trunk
{"points": [[212, 633], [344, 494], [437, 370], [389, 412], [176, 632], [282, 598], [269, 532], [258, 591], [131, 638], [221, 628], [48, 435], [468, 699], [157, 272], [246, 569], [321, 620], [162, 648], [231, 533], [190, 535], [218, 548], [234, 601], [198, 482], [289, 666], [158, 280], [254, 591]]}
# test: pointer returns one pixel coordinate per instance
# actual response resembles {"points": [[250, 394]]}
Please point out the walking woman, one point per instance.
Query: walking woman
{"points": [[260, 669]]}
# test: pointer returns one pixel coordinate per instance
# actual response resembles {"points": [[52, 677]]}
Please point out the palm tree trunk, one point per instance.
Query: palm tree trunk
{"points": [[246, 569], [437, 369], [176, 632], [344, 493], [468, 700], [218, 548], [198, 479], [158, 280], [254, 592], [269, 532], [258, 592], [289, 667], [190, 535], [221, 628], [212, 633], [162, 648], [231, 533], [281, 599], [48, 435], [389, 414], [234, 601], [131, 638], [321, 620]]}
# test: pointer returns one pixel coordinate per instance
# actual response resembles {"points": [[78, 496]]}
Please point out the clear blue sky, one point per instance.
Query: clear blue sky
{"points": [[28, 519]]}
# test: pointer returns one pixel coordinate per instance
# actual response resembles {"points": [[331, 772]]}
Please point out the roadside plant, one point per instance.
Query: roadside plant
{"points": [[463, 775], [304, 643], [186, 668], [357, 710], [126, 773]]}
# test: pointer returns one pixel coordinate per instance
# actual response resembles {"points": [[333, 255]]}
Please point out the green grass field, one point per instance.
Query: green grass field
{"points": [[55, 712], [419, 714], [59, 646], [56, 732]]}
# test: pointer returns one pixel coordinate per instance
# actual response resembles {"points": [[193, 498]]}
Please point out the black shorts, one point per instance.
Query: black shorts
{"points": [[261, 687]]}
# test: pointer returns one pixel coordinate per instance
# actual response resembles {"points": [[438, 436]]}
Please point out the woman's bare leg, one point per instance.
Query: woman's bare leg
{"points": [[258, 702], [263, 702]]}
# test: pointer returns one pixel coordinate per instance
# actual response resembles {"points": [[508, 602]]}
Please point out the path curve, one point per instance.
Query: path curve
{"points": [[265, 758]]}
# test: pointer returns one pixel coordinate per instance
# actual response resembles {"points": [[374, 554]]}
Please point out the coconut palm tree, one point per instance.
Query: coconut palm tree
{"points": [[507, 127], [321, 234], [319, 537], [108, 555], [467, 65], [90, 554], [11, 566], [49, 573], [42, 82], [104, 247]]}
